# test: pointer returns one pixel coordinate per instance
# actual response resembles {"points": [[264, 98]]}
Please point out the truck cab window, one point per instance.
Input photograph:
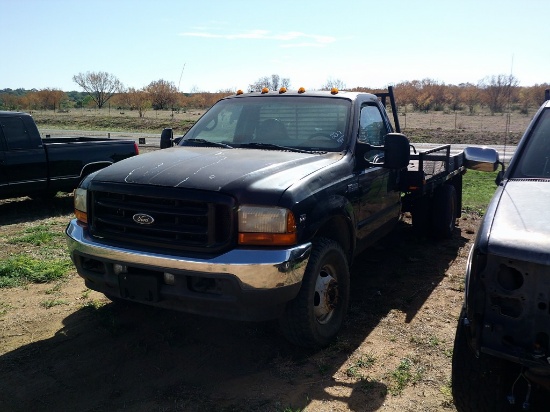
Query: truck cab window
{"points": [[371, 127], [535, 161], [15, 133], [300, 122], [372, 130]]}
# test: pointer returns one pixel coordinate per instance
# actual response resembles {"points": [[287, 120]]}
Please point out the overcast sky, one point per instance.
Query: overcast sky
{"points": [[219, 45]]}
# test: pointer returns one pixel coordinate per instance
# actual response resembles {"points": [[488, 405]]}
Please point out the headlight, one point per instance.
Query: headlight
{"points": [[80, 205], [259, 225]]}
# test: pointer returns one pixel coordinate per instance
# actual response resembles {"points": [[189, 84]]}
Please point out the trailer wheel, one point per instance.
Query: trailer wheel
{"points": [[315, 316], [479, 384], [444, 212]]}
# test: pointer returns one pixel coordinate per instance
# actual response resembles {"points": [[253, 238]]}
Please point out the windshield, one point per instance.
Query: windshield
{"points": [[535, 161], [309, 123]]}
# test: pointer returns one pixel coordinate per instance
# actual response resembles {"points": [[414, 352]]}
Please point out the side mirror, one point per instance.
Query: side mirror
{"points": [[166, 138], [397, 152], [484, 159]]}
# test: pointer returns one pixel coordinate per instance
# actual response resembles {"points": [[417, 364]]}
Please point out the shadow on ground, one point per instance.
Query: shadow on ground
{"points": [[26, 209], [131, 357]]}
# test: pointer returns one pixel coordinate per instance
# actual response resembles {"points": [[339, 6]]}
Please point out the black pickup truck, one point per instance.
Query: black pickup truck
{"points": [[259, 210], [32, 166], [501, 357]]}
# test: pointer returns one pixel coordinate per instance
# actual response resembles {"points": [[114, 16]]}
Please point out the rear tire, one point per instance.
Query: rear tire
{"points": [[444, 212], [421, 215], [315, 316]]}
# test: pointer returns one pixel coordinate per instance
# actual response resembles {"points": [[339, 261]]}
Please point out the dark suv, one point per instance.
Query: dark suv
{"points": [[501, 357]]}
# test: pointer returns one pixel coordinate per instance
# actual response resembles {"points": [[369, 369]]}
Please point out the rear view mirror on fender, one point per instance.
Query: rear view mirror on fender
{"points": [[167, 138], [484, 159], [396, 151]]}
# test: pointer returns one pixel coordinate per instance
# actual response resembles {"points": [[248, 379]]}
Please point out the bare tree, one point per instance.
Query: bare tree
{"points": [[260, 84], [497, 91], [100, 86], [163, 94], [273, 83], [275, 80], [339, 84]]}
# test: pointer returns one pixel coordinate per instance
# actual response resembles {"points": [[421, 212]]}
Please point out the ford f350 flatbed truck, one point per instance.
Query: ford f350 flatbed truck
{"points": [[32, 166], [259, 210]]}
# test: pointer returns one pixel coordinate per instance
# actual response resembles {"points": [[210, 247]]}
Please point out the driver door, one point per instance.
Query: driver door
{"points": [[380, 202]]}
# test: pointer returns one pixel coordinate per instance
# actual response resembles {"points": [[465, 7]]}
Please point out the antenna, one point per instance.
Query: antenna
{"points": [[181, 76], [509, 114]]}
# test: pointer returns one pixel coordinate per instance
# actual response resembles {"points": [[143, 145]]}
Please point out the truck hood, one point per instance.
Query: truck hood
{"points": [[521, 224], [217, 169]]}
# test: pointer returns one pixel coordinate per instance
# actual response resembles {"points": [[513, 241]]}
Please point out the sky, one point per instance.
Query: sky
{"points": [[211, 45]]}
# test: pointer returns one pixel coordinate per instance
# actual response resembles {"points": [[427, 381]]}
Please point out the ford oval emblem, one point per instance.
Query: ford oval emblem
{"points": [[143, 219]]}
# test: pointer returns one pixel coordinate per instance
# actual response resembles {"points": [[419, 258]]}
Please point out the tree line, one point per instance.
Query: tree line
{"points": [[497, 93]]}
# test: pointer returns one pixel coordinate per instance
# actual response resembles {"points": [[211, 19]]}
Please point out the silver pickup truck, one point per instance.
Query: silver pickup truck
{"points": [[501, 358]]}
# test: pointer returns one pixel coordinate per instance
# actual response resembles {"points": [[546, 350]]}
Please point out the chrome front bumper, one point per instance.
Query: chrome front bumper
{"points": [[254, 269]]}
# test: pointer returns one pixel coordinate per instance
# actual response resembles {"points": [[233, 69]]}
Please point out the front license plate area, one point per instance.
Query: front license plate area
{"points": [[139, 287]]}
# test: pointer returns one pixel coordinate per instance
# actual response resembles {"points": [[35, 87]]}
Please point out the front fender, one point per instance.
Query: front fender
{"points": [[334, 218], [93, 167]]}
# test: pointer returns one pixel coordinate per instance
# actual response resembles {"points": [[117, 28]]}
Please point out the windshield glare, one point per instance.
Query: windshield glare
{"points": [[534, 163], [308, 123]]}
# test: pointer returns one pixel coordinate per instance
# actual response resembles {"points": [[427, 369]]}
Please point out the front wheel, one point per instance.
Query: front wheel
{"points": [[315, 316], [479, 383]]}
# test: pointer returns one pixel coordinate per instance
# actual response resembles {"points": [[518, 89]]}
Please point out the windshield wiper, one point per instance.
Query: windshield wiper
{"points": [[207, 143], [271, 146]]}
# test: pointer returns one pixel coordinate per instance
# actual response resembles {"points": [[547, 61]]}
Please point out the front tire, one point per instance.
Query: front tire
{"points": [[479, 384], [315, 316]]}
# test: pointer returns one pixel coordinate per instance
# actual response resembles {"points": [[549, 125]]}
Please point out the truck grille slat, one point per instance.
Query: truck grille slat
{"points": [[183, 220], [130, 226], [166, 209]]}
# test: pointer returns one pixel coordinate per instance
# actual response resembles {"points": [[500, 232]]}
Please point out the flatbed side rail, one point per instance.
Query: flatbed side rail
{"points": [[431, 168]]}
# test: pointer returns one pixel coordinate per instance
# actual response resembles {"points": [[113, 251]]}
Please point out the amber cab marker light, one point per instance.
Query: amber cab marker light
{"points": [[239, 92], [265, 90], [301, 90], [282, 90], [334, 90]]}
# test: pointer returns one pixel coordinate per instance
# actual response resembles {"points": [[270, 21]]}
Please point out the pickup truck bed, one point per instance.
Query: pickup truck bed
{"points": [[33, 166]]}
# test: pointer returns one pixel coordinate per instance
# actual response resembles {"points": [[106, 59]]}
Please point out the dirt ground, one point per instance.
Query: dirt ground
{"points": [[88, 354]]}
